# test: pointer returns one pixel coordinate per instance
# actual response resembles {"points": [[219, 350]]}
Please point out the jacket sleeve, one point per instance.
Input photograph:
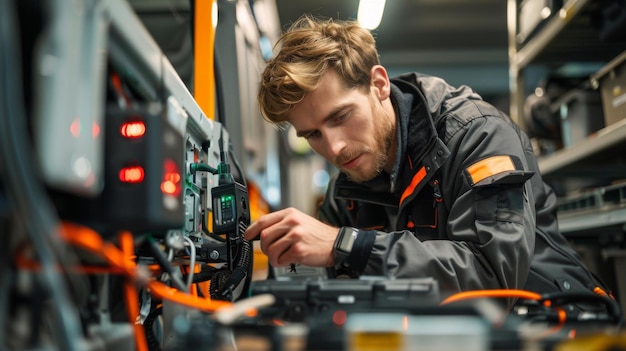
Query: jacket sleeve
{"points": [[489, 233]]}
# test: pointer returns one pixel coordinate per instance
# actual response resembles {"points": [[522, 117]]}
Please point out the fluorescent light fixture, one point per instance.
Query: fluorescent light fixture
{"points": [[370, 13], [214, 18]]}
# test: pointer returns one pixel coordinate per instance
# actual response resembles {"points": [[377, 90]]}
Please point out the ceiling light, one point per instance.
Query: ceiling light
{"points": [[370, 13]]}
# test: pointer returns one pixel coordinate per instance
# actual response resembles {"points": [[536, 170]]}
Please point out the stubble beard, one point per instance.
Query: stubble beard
{"points": [[381, 151]]}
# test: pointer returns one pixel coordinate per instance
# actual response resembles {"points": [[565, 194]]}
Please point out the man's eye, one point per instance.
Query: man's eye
{"points": [[340, 117], [312, 135]]}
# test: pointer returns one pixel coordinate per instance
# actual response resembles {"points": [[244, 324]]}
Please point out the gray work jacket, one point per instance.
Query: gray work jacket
{"points": [[465, 204]]}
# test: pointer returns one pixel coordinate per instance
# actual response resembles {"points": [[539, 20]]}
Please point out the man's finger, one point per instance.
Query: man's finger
{"points": [[253, 231]]}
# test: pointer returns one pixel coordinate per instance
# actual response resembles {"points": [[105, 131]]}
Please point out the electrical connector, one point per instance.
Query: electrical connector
{"points": [[201, 167]]}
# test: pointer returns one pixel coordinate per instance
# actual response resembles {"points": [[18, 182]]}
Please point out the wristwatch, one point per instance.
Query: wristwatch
{"points": [[343, 245]]}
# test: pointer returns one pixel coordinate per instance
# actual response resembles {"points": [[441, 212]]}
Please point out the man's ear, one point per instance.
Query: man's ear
{"points": [[380, 82]]}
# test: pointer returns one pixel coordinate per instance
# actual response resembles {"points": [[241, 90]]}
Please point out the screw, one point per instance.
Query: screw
{"points": [[214, 255]]}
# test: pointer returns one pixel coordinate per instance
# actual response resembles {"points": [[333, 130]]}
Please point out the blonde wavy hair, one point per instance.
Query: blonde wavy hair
{"points": [[309, 48]]}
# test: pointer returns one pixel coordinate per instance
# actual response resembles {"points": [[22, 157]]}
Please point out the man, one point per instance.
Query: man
{"points": [[434, 181]]}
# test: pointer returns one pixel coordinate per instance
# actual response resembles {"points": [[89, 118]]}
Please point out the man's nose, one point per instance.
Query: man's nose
{"points": [[336, 143]]}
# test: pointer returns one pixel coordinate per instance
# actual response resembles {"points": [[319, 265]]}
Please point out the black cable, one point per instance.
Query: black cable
{"points": [[153, 342], [205, 274], [219, 284], [32, 203], [240, 173], [163, 262], [241, 273], [612, 306], [249, 263], [541, 312], [220, 102]]}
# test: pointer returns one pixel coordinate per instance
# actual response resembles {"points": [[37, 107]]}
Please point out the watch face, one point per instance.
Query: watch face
{"points": [[347, 239]]}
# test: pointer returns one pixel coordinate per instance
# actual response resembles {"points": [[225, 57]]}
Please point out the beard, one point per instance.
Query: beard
{"points": [[384, 134]]}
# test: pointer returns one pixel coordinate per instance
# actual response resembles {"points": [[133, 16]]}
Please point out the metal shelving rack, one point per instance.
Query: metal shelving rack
{"points": [[566, 36], [569, 36]]}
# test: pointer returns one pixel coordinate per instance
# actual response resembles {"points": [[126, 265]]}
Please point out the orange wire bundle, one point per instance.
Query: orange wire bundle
{"points": [[122, 260]]}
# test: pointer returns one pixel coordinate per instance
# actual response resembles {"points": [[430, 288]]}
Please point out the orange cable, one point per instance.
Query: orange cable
{"points": [[561, 313], [130, 292], [27, 263], [165, 292], [476, 294], [89, 239]]}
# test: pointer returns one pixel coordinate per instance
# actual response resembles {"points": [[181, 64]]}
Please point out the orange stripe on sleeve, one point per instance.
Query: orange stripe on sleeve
{"points": [[490, 166]]}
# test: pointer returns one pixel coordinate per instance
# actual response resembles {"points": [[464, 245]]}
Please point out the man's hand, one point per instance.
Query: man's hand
{"points": [[290, 236]]}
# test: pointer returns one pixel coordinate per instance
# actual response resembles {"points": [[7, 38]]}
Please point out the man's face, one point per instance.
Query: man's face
{"points": [[351, 129]]}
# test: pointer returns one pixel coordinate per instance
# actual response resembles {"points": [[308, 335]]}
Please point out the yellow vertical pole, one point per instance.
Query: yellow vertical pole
{"points": [[205, 22]]}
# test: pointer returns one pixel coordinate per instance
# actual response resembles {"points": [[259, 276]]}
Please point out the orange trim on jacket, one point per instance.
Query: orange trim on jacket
{"points": [[417, 178]]}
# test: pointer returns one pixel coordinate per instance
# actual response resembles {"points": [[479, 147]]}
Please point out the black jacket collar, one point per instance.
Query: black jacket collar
{"points": [[417, 137]]}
